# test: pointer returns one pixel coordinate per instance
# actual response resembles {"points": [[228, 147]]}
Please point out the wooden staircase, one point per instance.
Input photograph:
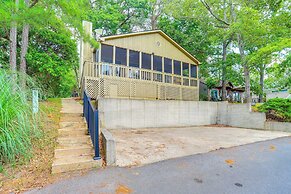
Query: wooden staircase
{"points": [[74, 150]]}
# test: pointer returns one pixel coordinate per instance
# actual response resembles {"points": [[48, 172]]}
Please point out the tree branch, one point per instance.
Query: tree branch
{"points": [[211, 12], [124, 21]]}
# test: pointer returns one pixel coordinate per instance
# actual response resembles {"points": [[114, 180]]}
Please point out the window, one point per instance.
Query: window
{"points": [[186, 69], [167, 65], [177, 67], [146, 61], [133, 58], [157, 64], [106, 53], [120, 56], [194, 71]]}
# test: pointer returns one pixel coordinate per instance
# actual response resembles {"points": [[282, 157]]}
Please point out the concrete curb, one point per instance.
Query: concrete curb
{"points": [[109, 147]]}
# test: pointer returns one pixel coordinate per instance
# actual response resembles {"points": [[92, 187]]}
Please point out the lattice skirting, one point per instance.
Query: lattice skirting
{"points": [[112, 87]]}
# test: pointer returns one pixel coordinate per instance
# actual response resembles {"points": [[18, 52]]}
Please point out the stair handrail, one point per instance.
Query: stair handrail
{"points": [[91, 116]]}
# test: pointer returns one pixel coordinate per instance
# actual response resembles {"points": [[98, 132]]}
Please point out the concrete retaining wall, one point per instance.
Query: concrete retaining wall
{"points": [[130, 114], [278, 126], [108, 145], [240, 115]]}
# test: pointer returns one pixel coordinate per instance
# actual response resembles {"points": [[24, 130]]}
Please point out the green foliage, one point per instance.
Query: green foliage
{"points": [[51, 59], [118, 16], [52, 54], [190, 35], [17, 123], [211, 83], [279, 108]]}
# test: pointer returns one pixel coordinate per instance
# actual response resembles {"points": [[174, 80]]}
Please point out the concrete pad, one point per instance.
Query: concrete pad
{"points": [[144, 146]]}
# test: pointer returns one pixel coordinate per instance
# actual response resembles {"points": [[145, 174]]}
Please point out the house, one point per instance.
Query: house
{"points": [[141, 65], [277, 93], [233, 94]]}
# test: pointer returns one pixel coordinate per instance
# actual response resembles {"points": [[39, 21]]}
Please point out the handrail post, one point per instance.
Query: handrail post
{"points": [[96, 136]]}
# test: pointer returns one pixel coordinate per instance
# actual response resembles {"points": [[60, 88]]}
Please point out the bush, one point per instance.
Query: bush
{"points": [[278, 109], [17, 122]]}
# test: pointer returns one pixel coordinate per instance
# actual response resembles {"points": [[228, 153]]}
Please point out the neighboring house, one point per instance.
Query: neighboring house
{"points": [[141, 65], [233, 94], [275, 93]]}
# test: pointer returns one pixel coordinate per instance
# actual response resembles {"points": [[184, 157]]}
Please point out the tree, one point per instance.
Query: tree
{"points": [[119, 16], [50, 16], [13, 40]]}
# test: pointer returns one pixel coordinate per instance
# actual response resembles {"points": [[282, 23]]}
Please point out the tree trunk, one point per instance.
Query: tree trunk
{"points": [[24, 46], [223, 72], [153, 22], [13, 45], [13, 49], [262, 72], [156, 12], [246, 70]]}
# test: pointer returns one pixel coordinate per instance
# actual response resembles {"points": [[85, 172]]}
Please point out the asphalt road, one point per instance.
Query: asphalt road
{"points": [[263, 167]]}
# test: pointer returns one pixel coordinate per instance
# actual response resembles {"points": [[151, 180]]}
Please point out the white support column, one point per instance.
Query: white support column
{"points": [[127, 63], [99, 61], [163, 70], [140, 61], [173, 71], [113, 61], [152, 67]]}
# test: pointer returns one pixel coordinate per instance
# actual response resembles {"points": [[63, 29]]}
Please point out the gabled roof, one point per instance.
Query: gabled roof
{"points": [[104, 38]]}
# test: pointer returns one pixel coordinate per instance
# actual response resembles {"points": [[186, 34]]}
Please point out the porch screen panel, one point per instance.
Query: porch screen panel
{"points": [[185, 69], [120, 56], [146, 61], [106, 53], [133, 58], [158, 63], [167, 65], [177, 67], [193, 71]]}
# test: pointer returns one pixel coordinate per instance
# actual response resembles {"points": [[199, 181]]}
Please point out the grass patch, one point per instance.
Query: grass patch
{"points": [[18, 125], [36, 172]]}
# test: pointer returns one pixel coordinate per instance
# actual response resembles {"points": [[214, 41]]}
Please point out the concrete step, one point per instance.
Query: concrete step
{"points": [[74, 140], [71, 114], [72, 119], [72, 151], [74, 163], [65, 132], [73, 124]]}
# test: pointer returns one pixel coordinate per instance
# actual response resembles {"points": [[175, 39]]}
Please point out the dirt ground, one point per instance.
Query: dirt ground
{"points": [[144, 146], [36, 173]]}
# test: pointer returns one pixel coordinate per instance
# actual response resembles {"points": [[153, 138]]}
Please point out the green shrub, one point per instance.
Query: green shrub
{"points": [[18, 125], [277, 108]]}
